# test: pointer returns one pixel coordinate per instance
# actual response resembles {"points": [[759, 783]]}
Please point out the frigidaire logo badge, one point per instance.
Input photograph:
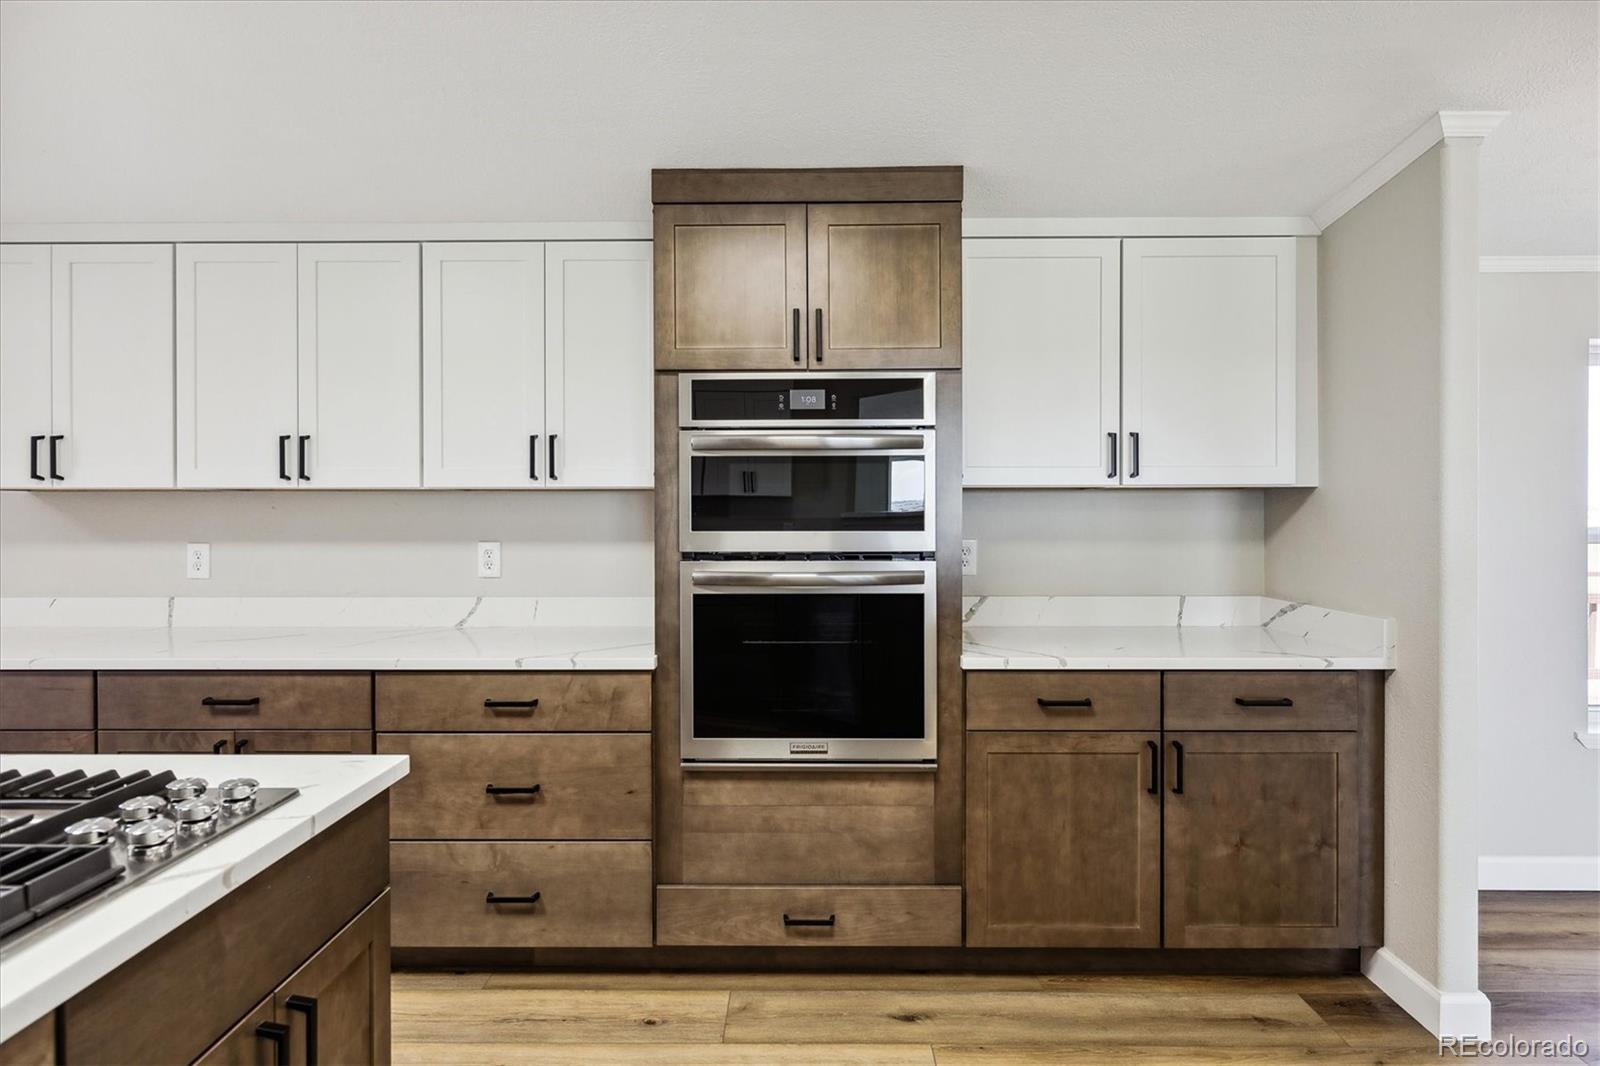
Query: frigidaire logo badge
{"points": [[808, 747]]}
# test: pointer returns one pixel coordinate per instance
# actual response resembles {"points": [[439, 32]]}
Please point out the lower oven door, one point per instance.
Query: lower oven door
{"points": [[808, 662]]}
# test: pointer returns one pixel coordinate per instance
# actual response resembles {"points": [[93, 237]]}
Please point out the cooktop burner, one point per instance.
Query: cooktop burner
{"points": [[69, 837]]}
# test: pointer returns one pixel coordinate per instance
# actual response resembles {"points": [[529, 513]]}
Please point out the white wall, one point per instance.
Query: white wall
{"points": [[1391, 531], [1540, 789]]}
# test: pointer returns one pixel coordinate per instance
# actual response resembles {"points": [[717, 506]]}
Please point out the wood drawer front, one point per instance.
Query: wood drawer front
{"points": [[592, 786], [591, 895], [862, 916], [1011, 699], [174, 741], [1210, 699], [579, 702], [46, 699], [160, 699], [46, 741], [303, 741]]}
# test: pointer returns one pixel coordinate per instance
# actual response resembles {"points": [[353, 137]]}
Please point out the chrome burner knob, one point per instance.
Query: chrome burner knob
{"points": [[90, 830], [147, 836], [238, 790], [187, 788], [140, 808], [194, 813]]}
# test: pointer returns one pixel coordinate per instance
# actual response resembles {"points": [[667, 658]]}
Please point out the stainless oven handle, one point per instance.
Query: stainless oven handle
{"points": [[842, 578], [818, 442]]}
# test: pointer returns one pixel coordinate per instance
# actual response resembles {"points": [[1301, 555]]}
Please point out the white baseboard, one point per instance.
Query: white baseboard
{"points": [[1463, 1015], [1539, 873]]}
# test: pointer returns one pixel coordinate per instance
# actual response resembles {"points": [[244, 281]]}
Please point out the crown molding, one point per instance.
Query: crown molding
{"points": [[1539, 264], [1437, 128], [1220, 226], [313, 232]]}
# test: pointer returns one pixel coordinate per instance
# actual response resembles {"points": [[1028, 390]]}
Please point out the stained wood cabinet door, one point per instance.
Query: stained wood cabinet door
{"points": [[337, 1005], [885, 285], [302, 741], [176, 741], [1261, 840], [1041, 383], [730, 286], [253, 1042], [236, 365], [1063, 840], [24, 364]]}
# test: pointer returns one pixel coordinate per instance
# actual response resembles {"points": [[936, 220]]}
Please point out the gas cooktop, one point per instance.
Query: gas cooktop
{"points": [[67, 838]]}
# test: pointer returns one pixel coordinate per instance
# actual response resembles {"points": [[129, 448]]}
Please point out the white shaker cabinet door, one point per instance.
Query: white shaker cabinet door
{"points": [[483, 365], [236, 365], [111, 365], [598, 351], [1040, 362], [1208, 361], [24, 365], [360, 366]]}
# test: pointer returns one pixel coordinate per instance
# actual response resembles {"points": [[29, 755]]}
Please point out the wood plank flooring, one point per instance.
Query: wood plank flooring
{"points": [[1540, 966]]}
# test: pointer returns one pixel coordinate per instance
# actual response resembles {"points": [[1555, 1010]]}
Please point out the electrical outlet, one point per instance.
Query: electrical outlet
{"points": [[197, 561], [488, 558], [969, 557]]}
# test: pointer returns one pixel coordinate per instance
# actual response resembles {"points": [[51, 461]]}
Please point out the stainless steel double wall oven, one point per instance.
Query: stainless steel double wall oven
{"points": [[806, 523]]}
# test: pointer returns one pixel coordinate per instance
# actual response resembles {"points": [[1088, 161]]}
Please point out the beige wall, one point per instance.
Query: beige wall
{"points": [[1540, 788]]}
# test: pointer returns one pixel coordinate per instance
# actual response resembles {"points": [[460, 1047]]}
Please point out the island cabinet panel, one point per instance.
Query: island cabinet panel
{"points": [[1063, 840], [227, 699], [302, 741], [1262, 840], [587, 786], [1064, 699], [45, 741], [253, 1042], [809, 916], [337, 1005], [513, 702], [46, 699], [522, 894], [34, 1046], [175, 741], [1262, 699], [808, 827]]}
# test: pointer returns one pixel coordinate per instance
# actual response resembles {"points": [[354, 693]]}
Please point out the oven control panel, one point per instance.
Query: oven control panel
{"points": [[751, 400]]}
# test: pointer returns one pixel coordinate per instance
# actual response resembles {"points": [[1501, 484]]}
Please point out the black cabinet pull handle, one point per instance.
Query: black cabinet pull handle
{"points": [[216, 749], [301, 452], [283, 457], [511, 705], [307, 1005], [1051, 704], [223, 704], [819, 336], [277, 1034], [491, 898], [1155, 768], [1133, 456], [511, 790], [241, 744], [1111, 455], [828, 921], [1263, 701], [795, 329], [533, 457], [33, 457], [550, 465], [55, 439], [1177, 768]]}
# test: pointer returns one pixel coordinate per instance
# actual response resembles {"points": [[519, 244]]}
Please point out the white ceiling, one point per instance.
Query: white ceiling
{"points": [[542, 112]]}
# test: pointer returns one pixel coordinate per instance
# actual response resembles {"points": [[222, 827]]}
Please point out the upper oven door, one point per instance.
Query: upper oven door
{"points": [[830, 490]]}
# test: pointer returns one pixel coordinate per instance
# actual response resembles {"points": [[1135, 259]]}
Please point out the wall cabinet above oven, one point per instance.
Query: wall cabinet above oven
{"points": [[1140, 362]]}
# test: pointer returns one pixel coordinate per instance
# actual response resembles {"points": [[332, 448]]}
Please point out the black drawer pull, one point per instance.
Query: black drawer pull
{"points": [[533, 457], [1111, 455], [283, 457], [226, 704], [827, 922], [54, 440], [1133, 459], [307, 1005], [217, 748], [491, 898], [1263, 701], [550, 461], [33, 457], [1177, 768], [511, 705], [511, 790], [278, 1034], [241, 744], [300, 452], [1155, 768], [1050, 704], [795, 330], [819, 336]]}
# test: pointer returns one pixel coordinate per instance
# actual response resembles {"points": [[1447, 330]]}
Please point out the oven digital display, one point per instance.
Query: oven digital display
{"points": [[808, 399]]}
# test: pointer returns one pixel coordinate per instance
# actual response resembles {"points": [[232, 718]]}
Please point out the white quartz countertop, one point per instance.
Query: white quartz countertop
{"points": [[1169, 633], [373, 633], [42, 972]]}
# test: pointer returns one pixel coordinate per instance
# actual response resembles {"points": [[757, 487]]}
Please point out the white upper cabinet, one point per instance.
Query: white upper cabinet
{"points": [[24, 365], [1040, 370], [360, 418], [236, 365], [483, 365], [1212, 352], [598, 352], [111, 389]]}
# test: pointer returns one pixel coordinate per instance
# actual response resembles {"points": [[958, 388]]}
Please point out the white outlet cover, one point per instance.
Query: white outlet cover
{"points": [[488, 558], [969, 557], [197, 561]]}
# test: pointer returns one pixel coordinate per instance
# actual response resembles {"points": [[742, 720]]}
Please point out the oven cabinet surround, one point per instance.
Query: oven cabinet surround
{"points": [[819, 269], [1140, 362], [86, 392], [1181, 809]]}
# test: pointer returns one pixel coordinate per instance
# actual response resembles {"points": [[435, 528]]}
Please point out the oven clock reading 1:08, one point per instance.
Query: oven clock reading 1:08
{"points": [[808, 399]]}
